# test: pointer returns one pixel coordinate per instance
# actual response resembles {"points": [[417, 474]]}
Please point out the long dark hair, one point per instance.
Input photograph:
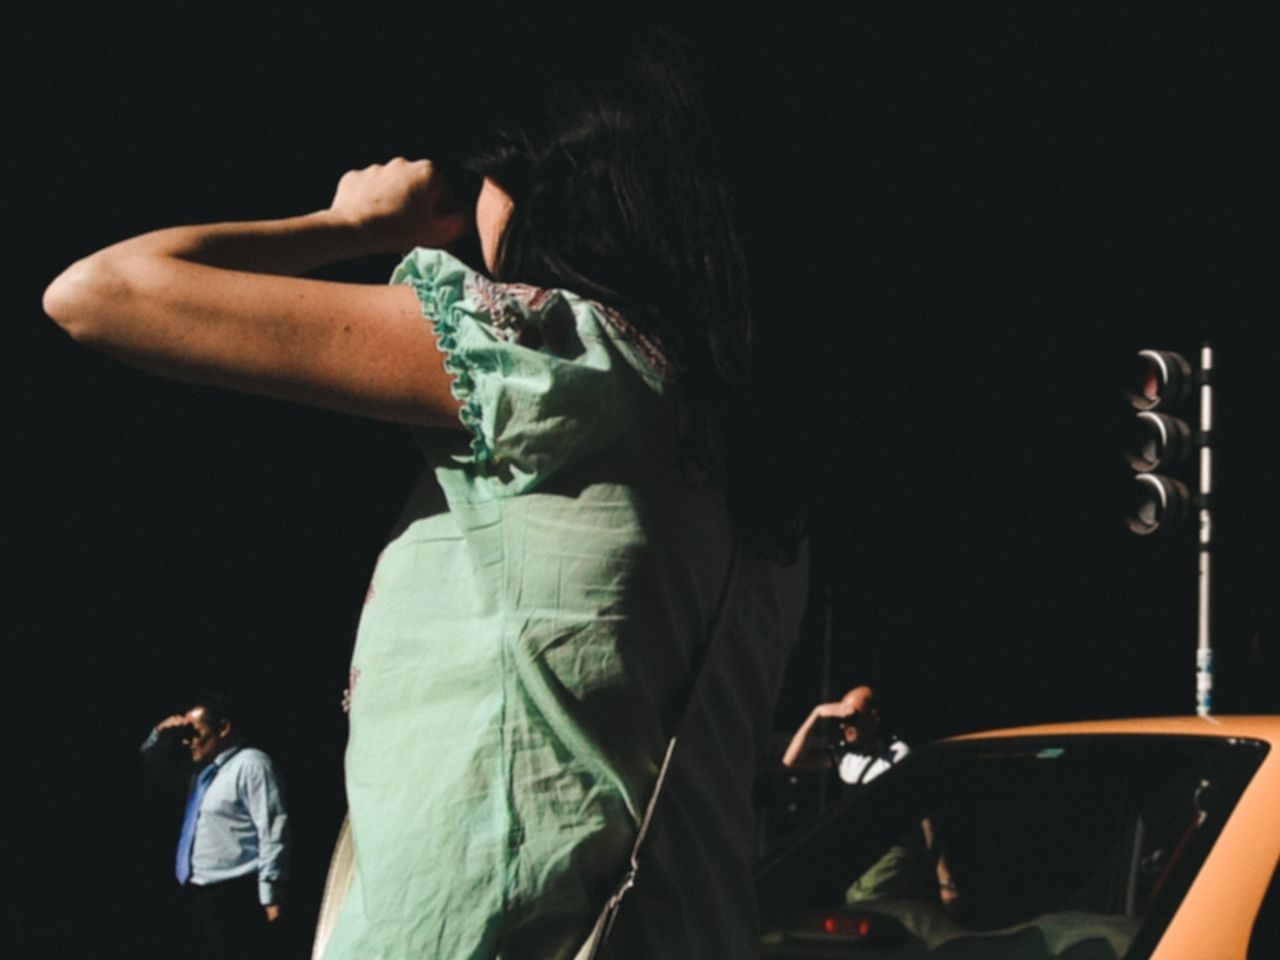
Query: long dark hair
{"points": [[618, 195]]}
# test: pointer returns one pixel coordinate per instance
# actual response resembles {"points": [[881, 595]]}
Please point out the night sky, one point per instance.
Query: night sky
{"points": [[963, 219]]}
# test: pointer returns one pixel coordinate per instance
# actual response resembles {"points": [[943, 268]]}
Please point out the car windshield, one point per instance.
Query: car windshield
{"points": [[1075, 847]]}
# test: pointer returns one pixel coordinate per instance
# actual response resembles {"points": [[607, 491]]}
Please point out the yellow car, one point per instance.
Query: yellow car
{"points": [[1120, 840]]}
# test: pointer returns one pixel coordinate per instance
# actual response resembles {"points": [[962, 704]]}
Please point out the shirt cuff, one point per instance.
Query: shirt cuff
{"points": [[269, 891]]}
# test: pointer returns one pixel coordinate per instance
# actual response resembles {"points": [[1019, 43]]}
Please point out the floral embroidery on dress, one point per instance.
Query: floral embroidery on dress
{"points": [[509, 307], [649, 349], [526, 315], [518, 313], [352, 679]]}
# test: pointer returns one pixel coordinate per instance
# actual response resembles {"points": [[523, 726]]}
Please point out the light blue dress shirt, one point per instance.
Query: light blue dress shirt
{"points": [[243, 826]]}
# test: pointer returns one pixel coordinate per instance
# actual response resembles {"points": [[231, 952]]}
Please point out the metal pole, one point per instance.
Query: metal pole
{"points": [[1204, 644], [824, 683]]}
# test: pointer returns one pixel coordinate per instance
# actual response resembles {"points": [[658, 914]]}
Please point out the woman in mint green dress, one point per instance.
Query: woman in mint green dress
{"points": [[533, 623]]}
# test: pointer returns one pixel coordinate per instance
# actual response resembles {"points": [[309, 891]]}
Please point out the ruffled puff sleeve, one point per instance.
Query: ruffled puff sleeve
{"points": [[545, 378]]}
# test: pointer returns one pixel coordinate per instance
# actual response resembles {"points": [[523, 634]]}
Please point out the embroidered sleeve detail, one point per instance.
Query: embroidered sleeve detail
{"points": [[646, 347], [443, 315], [448, 292], [508, 305], [544, 379]]}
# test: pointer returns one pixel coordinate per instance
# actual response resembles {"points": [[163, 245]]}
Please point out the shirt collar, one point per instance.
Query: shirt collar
{"points": [[221, 759]]}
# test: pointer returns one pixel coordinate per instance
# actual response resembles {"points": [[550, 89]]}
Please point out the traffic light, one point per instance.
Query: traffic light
{"points": [[1160, 442], [1159, 449]]}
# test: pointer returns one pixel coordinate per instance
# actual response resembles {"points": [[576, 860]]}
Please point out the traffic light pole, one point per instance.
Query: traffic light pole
{"points": [[1204, 440], [1161, 443]]}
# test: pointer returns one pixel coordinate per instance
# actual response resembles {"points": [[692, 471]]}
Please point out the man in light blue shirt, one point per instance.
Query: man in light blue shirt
{"points": [[232, 856]]}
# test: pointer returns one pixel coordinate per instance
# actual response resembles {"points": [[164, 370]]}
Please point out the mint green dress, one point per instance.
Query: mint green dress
{"points": [[521, 655]]}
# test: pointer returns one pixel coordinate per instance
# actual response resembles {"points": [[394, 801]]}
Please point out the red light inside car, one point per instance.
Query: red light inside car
{"points": [[844, 926]]}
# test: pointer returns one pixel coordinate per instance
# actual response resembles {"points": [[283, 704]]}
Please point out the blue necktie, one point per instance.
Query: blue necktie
{"points": [[188, 835]]}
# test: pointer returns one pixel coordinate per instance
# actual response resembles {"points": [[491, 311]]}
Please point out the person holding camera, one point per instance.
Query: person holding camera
{"points": [[859, 750], [233, 849]]}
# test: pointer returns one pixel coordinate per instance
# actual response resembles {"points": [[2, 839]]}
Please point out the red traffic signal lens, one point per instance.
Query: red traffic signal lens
{"points": [[1163, 379]]}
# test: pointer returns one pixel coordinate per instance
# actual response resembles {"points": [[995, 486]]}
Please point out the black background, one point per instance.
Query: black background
{"points": [[964, 218]]}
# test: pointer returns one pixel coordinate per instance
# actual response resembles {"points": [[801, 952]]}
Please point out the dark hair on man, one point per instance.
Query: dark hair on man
{"points": [[221, 707], [618, 196]]}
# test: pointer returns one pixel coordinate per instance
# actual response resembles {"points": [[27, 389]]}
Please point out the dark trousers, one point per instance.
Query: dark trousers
{"points": [[227, 922]]}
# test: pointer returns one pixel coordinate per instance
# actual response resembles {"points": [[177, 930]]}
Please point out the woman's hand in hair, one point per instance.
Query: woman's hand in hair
{"points": [[400, 205]]}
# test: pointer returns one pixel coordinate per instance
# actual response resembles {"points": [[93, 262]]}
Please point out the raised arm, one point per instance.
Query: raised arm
{"points": [[222, 304], [159, 753], [801, 751]]}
